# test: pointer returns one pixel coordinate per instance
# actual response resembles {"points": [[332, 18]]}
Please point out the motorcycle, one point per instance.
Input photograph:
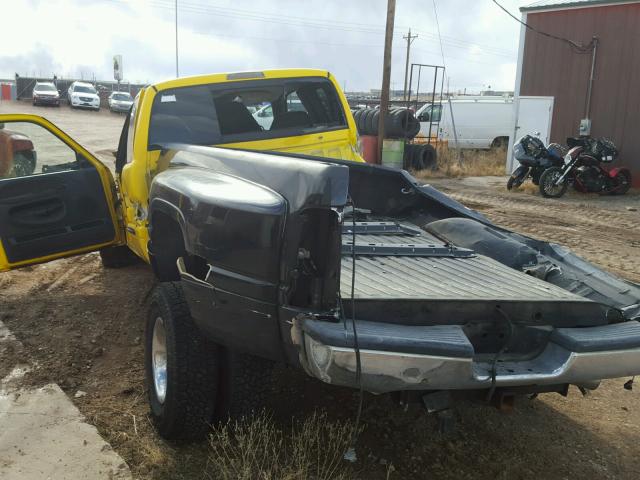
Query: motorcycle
{"points": [[583, 169], [534, 159]]}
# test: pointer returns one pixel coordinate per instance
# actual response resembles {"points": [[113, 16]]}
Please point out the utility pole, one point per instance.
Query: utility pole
{"points": [[386, 73], [409, 38], [177, 70]]}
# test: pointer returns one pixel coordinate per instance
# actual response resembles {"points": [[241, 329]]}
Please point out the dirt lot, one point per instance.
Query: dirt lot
{"points": [[82, 326]]}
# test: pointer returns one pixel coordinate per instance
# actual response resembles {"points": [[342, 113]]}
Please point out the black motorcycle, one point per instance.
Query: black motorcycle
{"points": [[585, 171], [534, 159]]}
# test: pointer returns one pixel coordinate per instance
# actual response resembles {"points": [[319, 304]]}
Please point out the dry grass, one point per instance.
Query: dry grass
{"points": [[527, 187], [472, 163], [257, 449]]}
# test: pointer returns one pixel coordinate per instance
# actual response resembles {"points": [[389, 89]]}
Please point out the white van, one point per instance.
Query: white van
{"points": [[481, 121]]}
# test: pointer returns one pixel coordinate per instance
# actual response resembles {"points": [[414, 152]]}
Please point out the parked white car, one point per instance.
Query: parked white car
{"points": [[264, 116], [481, 122], [83, 95], [120, 102]]}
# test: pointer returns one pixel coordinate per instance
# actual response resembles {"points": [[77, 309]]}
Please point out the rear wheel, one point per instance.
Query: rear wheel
{"points": [[181, 368], [548, 186], [623, 182], [245, 384]]}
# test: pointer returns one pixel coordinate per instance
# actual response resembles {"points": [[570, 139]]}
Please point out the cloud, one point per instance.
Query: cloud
{"points": [[76, 38]]}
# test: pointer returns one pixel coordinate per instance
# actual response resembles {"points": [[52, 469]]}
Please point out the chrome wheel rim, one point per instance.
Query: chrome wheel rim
{"points": [[159, 359], [550, 184]]}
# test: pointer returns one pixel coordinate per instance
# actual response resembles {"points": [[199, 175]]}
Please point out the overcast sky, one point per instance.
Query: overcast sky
{"points": [[78, 38]]}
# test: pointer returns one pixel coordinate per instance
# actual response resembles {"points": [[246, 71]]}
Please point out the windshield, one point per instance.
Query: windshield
{"points": [[245, 111], [122, 96], [45, 87], [83, 89]]}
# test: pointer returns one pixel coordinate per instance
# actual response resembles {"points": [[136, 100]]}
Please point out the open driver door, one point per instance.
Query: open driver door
{"points": [[56, 198]]}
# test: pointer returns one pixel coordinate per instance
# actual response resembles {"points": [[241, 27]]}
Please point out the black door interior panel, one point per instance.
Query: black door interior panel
{"points": [[52, 213], [38, 212]]}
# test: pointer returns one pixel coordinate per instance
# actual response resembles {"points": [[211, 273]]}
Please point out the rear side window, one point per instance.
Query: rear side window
{"points": [[244, 111]]}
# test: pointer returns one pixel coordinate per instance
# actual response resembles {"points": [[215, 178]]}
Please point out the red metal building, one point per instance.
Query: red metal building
{"points": [[551, 67]]}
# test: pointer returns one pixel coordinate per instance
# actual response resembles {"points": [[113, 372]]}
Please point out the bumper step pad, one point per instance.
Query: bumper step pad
{"points": [[439, 340], [620, 336]]}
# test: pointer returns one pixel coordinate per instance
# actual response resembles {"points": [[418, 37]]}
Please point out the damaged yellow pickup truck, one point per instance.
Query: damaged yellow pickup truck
{"points": [[273, 242]]}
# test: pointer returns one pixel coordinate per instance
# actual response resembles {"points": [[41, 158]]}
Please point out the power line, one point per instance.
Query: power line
{"points": [[460, 43], [331, 25], [247, 15], [274, 15], [435, 11], [453, 58], [252, 16], [577, 47]]}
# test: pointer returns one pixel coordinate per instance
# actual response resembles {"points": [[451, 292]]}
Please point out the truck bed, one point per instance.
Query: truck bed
{"points": [[398, 276], [409, 274]]}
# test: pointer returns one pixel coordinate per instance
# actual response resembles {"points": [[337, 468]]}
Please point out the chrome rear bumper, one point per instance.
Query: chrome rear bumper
{"points": [[386, 371]]}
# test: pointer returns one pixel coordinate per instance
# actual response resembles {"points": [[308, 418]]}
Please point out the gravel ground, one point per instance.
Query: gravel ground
{"points": [[85, 332]]}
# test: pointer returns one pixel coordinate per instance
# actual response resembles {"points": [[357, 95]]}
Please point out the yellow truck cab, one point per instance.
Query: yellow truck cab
{"points": [[69, 203]]}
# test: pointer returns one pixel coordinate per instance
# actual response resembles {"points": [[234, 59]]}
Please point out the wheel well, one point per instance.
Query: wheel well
{"points": [[166, 246], [500, 142]]}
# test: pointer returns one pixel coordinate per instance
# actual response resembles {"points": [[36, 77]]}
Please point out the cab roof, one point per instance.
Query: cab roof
{"points": [[239, 76]]}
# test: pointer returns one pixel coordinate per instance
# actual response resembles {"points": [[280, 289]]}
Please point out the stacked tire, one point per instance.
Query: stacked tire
{"points": [[420, 156], [398, 123]]}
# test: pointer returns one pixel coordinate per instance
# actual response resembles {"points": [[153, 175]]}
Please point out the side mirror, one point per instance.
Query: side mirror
{"points": [[423, 117]]}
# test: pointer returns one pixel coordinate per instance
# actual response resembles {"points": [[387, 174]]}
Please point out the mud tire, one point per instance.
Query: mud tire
{"points": [[186, 413], [245, 385]]}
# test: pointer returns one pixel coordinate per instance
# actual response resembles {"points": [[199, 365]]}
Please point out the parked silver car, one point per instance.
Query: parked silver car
{"points": [[120, 102]]}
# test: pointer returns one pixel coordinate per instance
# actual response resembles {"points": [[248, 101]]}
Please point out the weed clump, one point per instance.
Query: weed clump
{"points": [[258, 449], [471, 163]]}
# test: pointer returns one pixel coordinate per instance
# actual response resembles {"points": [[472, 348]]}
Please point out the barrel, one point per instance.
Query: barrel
{"points": [[5, 91], [392, 152], [369, 148]]}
